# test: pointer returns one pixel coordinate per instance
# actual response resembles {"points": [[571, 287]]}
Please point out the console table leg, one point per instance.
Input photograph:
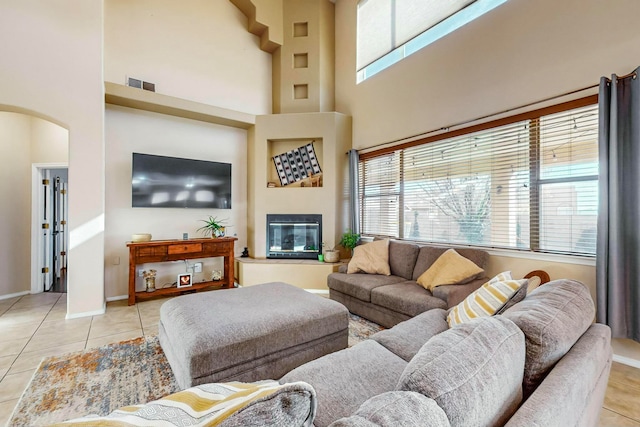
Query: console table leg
{"points": [[132, 280]]}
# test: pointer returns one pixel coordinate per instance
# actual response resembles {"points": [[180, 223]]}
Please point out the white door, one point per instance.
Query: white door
{"points": [[52, 225], [45, 230]]}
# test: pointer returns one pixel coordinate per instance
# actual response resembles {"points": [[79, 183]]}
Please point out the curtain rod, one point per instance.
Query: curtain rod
{"points": [[466, 122]]}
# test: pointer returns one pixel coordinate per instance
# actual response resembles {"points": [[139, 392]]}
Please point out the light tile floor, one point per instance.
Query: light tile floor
{"points": [[34, 326]]}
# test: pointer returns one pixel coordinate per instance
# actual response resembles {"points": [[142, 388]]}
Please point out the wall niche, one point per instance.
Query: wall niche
{"points": [[295, 163]]}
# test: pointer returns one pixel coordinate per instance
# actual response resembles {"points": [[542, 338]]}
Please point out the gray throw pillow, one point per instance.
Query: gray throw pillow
{"points": [[552, 318], [473, 371], [516, 298]]}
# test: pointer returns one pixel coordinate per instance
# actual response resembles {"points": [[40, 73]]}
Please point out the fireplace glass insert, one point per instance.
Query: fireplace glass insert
{"points": [[294, 236]]}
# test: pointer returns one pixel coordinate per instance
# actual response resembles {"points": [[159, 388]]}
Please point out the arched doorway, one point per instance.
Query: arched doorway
{"points": [[28, 145]]}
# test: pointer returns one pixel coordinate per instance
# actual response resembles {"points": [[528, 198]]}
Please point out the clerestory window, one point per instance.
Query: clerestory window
{"points": [[390, 30]]}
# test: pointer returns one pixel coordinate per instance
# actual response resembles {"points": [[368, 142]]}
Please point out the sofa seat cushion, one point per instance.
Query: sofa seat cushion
{"points": [[346, 379], [359, 285], [473, 371], [397, 408], [406, 338], [406, 297], [552, 318]]}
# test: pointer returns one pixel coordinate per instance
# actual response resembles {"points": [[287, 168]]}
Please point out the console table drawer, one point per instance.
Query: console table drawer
{"points": [[186, 248], [151, 251]]}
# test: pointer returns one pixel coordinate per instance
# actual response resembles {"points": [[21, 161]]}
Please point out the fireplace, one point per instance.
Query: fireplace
{"points": [[294, 236]]}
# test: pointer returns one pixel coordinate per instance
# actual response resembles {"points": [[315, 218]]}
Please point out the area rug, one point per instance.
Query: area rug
{"points": [[100, 380]]}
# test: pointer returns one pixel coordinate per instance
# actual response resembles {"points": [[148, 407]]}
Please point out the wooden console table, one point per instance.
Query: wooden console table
{"points": [[177, 250]]}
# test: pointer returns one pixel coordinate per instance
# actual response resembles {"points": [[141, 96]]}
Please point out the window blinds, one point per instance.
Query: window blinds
{"points": [[380, 195], [568, 181], [383, 25], [530, 184]]}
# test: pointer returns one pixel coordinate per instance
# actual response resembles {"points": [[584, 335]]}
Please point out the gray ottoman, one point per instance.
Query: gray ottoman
{"points": [[248, 334]]}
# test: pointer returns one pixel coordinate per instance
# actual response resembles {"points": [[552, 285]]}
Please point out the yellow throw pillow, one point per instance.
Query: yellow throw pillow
{"points": [[372, 258], [450, 268], [486, 300]]}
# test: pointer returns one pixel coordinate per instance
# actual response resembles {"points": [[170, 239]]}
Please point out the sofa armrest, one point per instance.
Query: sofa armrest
{"points": [[454, 294], [572, 394]]}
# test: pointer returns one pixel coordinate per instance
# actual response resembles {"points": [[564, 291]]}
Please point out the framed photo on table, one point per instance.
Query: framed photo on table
{"points": [[184, 280]]}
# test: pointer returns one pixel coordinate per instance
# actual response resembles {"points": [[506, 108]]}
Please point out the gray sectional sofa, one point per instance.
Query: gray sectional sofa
{"points": [[388, 300], [541, 363]]}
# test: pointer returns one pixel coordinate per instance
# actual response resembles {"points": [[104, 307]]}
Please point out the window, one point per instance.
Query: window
{"points": [[391, 30], [529, 184]]}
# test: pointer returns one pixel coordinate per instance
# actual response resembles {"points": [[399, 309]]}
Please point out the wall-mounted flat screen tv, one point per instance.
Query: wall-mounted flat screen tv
{"points": [[171, 182]]}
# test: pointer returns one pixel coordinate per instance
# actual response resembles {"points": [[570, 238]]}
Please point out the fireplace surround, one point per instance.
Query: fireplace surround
{"points": [[294, 236]]}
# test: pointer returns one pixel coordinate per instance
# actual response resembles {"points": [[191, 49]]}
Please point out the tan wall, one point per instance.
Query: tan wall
{"points": [[581, 270], [318, 44], [52, 51], [520, 52], [49, 142], [334, 132], [15, 209], [269, 13], [130, 131], [306, 275], [194, 49]]}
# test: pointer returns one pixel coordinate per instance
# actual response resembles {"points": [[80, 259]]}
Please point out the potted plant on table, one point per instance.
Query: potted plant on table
{"points": [[350, 240], [213, 227]]}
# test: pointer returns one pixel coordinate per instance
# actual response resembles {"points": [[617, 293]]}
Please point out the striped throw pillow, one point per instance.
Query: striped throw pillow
{"points": [[487, 300]]}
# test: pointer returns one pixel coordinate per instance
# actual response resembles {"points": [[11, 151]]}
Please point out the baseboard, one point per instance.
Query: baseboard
{"points": [[103, 310], [313, 291], [117, 298], [17, 294], [318, 291], [634, 363]]}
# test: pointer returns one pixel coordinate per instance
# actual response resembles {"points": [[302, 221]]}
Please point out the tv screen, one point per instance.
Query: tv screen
{"points": [[170, 182]]}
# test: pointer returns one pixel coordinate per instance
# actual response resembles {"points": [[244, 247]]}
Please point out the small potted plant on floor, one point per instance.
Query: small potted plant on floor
{"points": [[213, 227], [350, 240]]}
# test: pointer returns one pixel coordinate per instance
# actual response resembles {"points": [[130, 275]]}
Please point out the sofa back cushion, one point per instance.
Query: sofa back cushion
{"points": [[552, 318], [429, 254], [402, 258], [473, 371]]}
